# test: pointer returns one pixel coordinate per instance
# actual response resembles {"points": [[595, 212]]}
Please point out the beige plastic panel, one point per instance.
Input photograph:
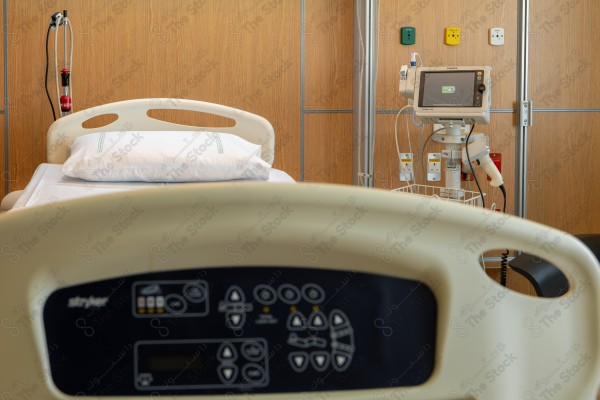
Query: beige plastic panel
{"points": [[492, 343]]}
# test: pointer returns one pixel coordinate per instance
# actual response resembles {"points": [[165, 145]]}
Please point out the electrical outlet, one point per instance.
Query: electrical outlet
{"points": [[496, 36], [452, 36], [434, 167], [406, 167], [407, 35]]}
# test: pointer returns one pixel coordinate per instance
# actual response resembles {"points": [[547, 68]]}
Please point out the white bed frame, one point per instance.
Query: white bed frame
{"points": [[492, 343], [132, 115]]}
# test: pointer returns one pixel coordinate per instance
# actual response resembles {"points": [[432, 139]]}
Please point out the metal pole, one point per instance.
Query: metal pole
{"points": [[365, 64], [524, 105]]}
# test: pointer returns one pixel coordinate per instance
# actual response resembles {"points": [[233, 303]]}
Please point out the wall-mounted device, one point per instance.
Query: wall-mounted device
{"points": [[408, 35], [452, 36]]}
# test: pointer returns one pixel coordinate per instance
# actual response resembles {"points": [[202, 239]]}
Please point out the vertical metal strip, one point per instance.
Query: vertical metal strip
{"points": [[6, 104], [365, 62], [302, 55], [522, 95]]}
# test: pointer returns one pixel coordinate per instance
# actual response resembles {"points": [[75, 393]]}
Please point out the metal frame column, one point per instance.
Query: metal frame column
{"points": [[365, 72], [525, 110]]}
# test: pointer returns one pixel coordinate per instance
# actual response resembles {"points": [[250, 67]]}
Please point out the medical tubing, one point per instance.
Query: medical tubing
{"points": [[473, 170], [66, 23], [46, 78], [504, 257], [70, 63], [56, 68], [408, 135]]}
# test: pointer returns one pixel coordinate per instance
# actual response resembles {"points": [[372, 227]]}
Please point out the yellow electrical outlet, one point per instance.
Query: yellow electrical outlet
{"points": [[452, 36]]}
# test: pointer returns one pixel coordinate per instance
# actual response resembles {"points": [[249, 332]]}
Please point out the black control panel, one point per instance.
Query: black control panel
{"points": [[240, 330]]}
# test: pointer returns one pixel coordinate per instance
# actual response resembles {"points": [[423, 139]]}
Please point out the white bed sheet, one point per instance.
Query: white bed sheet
{"points": [[49, 185]]}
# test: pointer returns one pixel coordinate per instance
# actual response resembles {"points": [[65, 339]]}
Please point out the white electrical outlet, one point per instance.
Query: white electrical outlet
{"points": [[434, 167], [406, 167], [496, 37]]}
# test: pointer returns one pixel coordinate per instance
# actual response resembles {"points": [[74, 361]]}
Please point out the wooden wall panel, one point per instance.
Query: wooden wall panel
{"points": [[328, 33], [243, 53], [430, 18], [328, 148], [328, 37], [564, 171], [564, 58], [5, 174]]}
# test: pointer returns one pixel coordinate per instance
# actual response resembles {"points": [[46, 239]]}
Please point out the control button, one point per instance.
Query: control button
{"points": [[341, 361], [152, 289], [313, 293], [235, 295], [305, 343], [150, 301], [296, 321], [235, 320], [141, 302], [227, 353], [289, 294], [298, 360], [317, 320], [265, 294], [319, 360], [175, 304], [194, 292], [338, 319], [160, 301], [145, 379], [253, 351], [254, 374], [481, 88], [227, 373]]}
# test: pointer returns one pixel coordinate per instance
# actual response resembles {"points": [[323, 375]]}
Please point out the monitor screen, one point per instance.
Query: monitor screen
{"points": [[458, 94], [450, 88]]}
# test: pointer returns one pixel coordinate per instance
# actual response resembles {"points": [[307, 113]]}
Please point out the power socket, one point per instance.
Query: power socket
{"points": [[434, 167], [452, 35], [407, 171], [496, 36], [407, 35]]}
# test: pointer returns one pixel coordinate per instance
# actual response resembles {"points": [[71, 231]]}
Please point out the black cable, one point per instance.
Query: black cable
{"points": [[46, 80], [504, 258], [471, 165]]}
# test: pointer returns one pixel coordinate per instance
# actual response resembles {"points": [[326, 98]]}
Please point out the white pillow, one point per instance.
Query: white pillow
{"points": [[164, 156]]}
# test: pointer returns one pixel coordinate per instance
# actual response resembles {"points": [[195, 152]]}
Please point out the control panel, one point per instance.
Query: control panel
{"points": [[240, 330]]}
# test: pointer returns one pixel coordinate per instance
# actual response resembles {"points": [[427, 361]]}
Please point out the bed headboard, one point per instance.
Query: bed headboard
{"points": [[133, 115]]}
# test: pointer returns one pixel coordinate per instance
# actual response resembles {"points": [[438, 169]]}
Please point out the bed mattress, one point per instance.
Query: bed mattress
{"points": [[49, 185]]}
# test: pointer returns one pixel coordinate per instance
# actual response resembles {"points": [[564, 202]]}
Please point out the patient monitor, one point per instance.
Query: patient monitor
{"points": [[457, 94], [453, 97]]}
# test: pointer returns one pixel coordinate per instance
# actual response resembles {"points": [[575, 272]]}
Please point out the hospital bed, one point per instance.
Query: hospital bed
{"points": [[50, 184], [289, 291]]}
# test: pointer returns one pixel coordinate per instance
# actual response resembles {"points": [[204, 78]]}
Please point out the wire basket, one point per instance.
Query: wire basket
{"points": [[467, 197]]}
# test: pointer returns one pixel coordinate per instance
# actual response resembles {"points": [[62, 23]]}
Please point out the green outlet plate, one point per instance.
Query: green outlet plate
{"points": [[407, 35]]}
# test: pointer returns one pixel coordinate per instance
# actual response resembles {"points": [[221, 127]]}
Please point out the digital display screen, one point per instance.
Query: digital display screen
{"points": [[180, 362], [449, 88]]}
